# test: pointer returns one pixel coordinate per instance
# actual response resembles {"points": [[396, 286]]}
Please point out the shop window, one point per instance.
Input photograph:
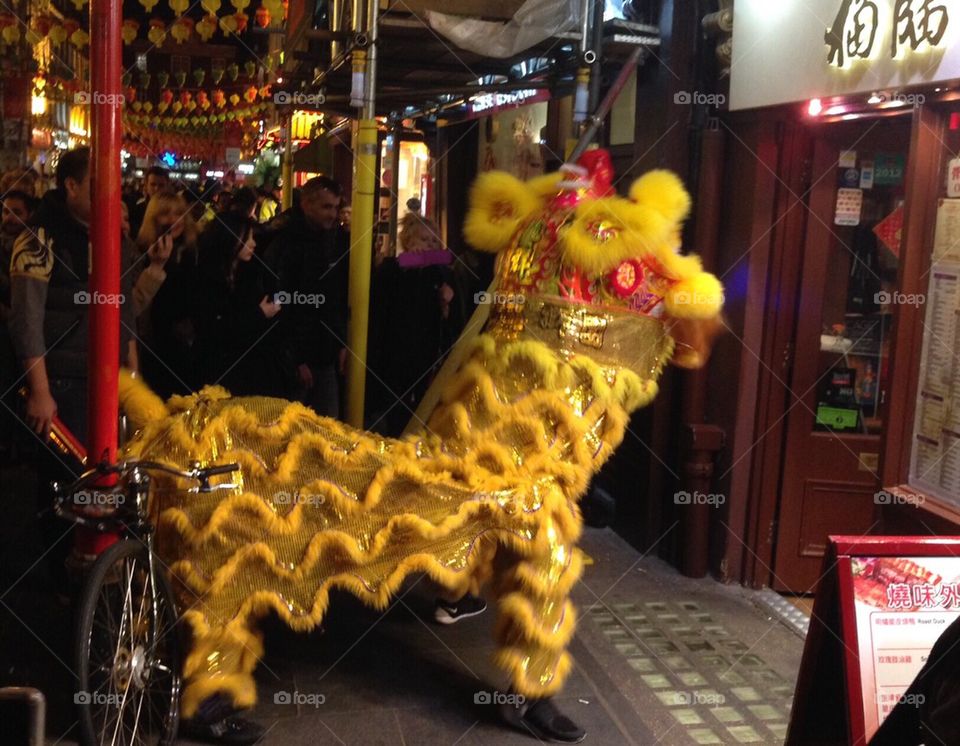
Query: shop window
{"points": [[935, 455], [861, 294]]}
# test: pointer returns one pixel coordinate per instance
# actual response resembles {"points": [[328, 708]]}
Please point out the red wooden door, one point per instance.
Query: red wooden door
{"points": [[841, 350]]}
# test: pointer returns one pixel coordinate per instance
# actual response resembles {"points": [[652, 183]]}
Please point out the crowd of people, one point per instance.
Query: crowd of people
{"points": [[219, 286]]}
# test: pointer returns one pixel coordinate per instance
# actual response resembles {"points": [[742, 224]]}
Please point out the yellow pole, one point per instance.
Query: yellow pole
{"points": [[361, 261], [286, 167]]}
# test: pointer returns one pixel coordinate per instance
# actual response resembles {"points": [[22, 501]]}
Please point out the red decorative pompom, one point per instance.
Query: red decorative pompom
{"points": [[626, 277]]}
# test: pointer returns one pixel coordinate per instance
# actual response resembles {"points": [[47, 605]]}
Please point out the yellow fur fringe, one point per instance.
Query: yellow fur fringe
{"points": [[499, 202], [662, 191], [634, 231], [696, 297]]}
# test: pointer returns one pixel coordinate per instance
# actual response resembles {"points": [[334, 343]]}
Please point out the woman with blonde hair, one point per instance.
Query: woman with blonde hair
{"points": [[168, 232], [413, 323], [164, 292]]}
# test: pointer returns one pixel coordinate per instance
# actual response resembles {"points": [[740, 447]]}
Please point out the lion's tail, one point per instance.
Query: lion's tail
{"points": [[141, 405]]}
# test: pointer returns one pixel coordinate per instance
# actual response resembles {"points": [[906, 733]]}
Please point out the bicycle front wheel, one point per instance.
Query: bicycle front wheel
{"points": [[127, 652]]}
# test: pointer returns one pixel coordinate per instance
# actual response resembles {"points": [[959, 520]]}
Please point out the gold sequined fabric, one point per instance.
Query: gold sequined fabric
{"points": [[316, 505]]}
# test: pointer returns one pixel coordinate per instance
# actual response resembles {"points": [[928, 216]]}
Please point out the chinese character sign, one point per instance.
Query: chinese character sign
{"points": [[914, 25], [853, 31]]}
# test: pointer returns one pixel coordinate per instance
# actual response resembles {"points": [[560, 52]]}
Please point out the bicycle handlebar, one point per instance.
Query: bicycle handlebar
{"points": [[197, 473]]}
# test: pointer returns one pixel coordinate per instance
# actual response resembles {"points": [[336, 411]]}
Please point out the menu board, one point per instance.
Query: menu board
{"points": [[946, 242], [902, 606], [882, 604], [935, 460]]}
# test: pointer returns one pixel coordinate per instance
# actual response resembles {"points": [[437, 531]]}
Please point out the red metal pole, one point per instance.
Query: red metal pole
{"points": [[106, 108]]}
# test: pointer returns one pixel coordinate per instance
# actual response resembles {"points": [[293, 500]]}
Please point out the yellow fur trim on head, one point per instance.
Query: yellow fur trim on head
{"points": [[677, 266], [499, 202], [139, 403], [606, 231], [697, 297], [662, 191], [546, 185]]}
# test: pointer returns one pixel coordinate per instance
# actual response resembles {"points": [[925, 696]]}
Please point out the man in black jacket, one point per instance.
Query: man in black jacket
{"points": [[49, 315], [50, 301], [310, 257]]}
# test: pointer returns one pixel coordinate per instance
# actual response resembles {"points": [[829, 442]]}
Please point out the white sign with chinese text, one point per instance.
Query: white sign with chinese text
{"points": [[903, 605], [794, 50], [953, 177]]}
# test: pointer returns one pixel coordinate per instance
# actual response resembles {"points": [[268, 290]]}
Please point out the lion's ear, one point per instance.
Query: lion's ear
{"points": [[664, 192], [698, 296], [499, 203], [693, 340]]}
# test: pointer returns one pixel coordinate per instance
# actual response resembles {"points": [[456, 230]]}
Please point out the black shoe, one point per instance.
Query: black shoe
{"points": [[541, 719], [215, 723], [451, 612]]}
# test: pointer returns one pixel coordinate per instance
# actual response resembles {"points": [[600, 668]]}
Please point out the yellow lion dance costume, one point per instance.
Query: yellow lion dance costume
{"points": [[589, 298]]}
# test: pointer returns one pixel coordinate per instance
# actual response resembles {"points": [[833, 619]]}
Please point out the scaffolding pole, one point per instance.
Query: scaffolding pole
{"points": [[363, 221]]}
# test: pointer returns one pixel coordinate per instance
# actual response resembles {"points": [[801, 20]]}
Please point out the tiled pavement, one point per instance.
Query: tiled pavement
{"points": [[659, 659]]}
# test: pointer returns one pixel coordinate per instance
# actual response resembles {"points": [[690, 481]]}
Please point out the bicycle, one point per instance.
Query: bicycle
{"points": [[127, 645]]}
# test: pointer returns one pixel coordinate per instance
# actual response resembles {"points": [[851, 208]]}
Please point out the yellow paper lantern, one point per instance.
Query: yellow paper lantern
{"points": [[149, 4], [179, 6], [148, 106], [162, 106], [180, 31], [234, 99], [157, 33], [10, 34], [78, 4], [58, 34], [205, 27], [228, 24], [210, 6], [33, 38], [80, 38], [129, 31], [176, 107]]}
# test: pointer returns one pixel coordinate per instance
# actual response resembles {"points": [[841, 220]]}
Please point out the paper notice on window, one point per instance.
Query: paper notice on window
{"points": [[940, 330], [931, 414], [950, 463], [849, 207], [925, 471], [946, 242]]}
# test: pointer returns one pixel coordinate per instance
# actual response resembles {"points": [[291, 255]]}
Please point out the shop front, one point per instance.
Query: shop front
{"points": [[840, 249]]}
